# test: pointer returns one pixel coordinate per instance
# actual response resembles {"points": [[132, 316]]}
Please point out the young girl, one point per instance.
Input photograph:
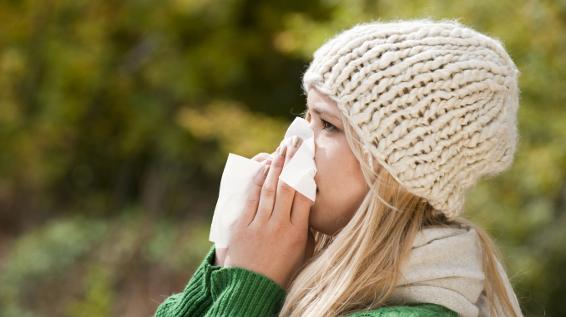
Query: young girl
{"points": [[407, 116]]}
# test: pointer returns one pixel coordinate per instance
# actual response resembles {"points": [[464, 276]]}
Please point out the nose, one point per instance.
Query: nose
{"points": [[311, 126]]}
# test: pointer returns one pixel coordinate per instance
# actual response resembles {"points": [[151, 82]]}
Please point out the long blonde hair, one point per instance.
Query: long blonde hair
{"points": [[357, 268]]}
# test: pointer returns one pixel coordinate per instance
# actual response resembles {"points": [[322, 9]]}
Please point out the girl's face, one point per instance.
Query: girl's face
{"points": [[341, 186]]}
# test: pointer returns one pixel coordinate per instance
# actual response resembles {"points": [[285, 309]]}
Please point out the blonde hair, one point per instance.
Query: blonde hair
{"points": [[358, 268]]}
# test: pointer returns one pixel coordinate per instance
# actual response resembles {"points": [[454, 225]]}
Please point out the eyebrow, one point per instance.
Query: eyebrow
{"points": [[316, 108]]}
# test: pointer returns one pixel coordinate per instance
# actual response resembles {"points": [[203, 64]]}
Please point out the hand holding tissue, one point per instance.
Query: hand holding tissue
{"points": [[238, 175]]}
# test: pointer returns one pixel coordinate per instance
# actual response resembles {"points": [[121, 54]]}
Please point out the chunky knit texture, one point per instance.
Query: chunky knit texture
{"points": [[219, 291], [434, 102], [215, 291]]}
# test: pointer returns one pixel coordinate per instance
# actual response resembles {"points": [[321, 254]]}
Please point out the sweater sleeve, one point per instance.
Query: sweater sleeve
{"points": [[220, 291], [240, 292], [417, 310]]}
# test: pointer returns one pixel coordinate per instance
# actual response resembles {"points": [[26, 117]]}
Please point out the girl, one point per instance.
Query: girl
{"points": [[407, 116]]}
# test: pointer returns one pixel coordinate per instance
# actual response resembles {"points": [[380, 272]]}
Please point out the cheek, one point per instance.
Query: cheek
{"points": [[341, 187], [346, 185], [326, 159], [336, 167]]}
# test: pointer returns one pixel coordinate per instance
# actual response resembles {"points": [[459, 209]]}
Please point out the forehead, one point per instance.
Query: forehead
{"points": [[316, 99]]}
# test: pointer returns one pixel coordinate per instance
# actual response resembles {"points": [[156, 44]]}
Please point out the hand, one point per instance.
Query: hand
{"points": [[272, 234], [220, 253]]}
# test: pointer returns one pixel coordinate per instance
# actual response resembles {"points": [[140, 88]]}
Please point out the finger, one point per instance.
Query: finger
{"points": [[261, 157], [268, 191], [283, 202], [300, 211], [276, 151], [285, 193], [253, 195]]}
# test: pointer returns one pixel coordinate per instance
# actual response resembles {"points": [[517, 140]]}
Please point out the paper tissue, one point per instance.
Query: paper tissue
{"points": [[239, 172]]}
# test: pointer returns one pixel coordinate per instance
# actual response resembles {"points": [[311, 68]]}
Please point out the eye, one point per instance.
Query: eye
{"points": [[328, 126]]}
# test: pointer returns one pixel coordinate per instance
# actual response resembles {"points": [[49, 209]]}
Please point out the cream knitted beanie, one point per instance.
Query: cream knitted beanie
{"points": [[434, 102]]}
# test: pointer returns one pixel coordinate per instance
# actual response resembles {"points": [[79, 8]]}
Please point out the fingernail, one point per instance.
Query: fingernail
{"points": [[296, 141], [265, 169], [281, 150], [280, 157]]}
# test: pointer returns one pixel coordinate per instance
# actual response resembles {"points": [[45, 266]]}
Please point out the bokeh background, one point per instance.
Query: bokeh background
{"points": [[117, 117]]}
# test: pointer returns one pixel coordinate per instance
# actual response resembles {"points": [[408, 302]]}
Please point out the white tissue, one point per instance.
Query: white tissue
{"points": [[239, 172], [300, 170]]}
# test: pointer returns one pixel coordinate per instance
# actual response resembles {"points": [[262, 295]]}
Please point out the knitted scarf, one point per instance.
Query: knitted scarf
{"points": [[445, 268]]}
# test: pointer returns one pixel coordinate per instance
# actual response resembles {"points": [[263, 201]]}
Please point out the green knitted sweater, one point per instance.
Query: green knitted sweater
{"points": [[232, 292]]}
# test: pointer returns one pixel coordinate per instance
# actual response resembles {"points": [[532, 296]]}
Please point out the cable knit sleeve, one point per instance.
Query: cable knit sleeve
{"points": [[219, 291], [240, 292]]}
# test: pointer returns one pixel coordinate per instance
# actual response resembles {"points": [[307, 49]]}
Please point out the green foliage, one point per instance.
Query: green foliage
{"points": [[44, 255], [76, 266], [98, 298], [116, 118]]}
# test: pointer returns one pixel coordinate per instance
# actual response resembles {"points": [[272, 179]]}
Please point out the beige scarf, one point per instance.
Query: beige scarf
{"points": [[445, 268]]}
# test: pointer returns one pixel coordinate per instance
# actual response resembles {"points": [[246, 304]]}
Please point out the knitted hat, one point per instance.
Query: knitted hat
{"points": [[434, 102]]}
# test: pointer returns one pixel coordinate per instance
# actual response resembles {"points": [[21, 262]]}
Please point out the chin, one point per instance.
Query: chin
{"points": [[316, 221]]}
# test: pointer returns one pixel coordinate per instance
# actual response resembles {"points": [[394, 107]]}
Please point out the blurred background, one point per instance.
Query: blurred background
{"points": [[117, 117]]}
